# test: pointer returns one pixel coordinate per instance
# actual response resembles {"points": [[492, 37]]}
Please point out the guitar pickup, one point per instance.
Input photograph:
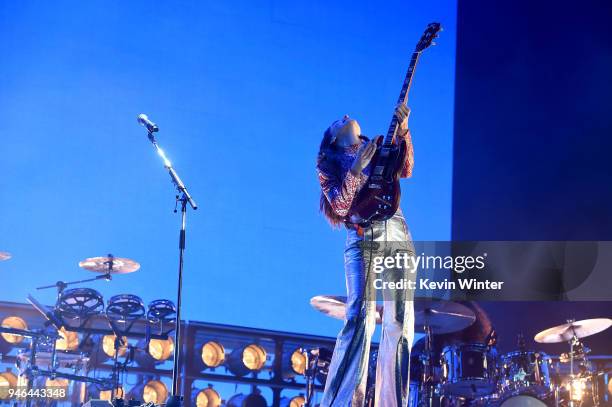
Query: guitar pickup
{"points": [[382, 200]]}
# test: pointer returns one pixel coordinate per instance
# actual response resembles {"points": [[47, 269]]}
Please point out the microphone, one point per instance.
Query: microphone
{"points": [[144, 120]]}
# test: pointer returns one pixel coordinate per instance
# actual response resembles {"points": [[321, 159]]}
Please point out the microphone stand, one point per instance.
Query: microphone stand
{"points": [[183, 197]]}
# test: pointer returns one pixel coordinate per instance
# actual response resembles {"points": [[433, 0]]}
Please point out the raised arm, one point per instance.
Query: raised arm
{"points": [[403, 112]]}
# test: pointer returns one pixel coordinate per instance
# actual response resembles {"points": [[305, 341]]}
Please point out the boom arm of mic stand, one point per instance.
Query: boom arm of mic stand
{"points": [[173, 174]]}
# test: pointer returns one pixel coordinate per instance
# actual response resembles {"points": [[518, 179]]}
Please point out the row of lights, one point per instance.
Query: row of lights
{"points": [[159, 349], [241, 361], [250, 358]]}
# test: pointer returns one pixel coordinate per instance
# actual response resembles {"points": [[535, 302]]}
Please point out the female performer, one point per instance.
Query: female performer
{"points": [[343, 168]]}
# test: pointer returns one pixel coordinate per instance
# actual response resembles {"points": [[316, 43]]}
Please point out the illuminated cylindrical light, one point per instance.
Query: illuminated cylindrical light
{"points": [[107, 394], [294, 363], [207, 397], [8, 380], [16, 323], [297, 401], [69, 340], [108, 345], [161, 349], [213, 354], [56, 384], [94, 392], [154, 391], [249, 358]]}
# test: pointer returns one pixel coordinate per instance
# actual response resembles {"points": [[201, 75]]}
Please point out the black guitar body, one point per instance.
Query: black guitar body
{"points": [[379, 198]]}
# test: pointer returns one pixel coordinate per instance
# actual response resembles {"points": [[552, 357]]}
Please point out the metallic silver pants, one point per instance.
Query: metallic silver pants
{"points": [[346, 380]]}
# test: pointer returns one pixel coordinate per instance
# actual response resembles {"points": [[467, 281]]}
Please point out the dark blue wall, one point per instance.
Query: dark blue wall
{"points": [[533, 124], [533, 140]]}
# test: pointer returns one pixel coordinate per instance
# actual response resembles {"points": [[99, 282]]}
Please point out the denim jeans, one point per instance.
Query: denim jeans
{"points": [[346, 380]]}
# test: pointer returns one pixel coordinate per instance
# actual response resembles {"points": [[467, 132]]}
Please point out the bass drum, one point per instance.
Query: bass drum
{"points": [[468, 370], [523, 400]]}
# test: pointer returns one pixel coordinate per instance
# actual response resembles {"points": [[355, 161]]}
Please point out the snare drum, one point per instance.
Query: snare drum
{"points": [[468, 370], [526, 371]]}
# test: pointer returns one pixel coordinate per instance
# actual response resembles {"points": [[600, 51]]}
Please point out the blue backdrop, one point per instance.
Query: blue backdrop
{"points": [[242, 92]]}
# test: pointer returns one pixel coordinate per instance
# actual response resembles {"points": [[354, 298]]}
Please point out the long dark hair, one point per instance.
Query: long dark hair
{"points": [[328, 166]]}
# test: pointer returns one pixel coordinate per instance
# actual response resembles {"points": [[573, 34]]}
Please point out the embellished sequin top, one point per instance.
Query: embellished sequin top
{"points": [[340, 185]]}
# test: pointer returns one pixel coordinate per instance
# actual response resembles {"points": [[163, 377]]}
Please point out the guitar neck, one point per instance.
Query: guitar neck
{"points": [[402, 97]]}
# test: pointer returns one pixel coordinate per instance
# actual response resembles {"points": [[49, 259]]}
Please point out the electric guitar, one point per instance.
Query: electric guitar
{"points": [[379, 198]]}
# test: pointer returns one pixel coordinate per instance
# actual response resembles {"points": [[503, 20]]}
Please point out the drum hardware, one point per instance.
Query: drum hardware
{"points": [[335, 306], [579, 329], [109, 265], [80, 303], [51, 316], [579, 384], [161, 312], [317, 365], [443, 317], [126, 309]]}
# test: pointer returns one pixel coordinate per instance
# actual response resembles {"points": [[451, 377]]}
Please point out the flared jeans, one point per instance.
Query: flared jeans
{"points": [[347, 377]]}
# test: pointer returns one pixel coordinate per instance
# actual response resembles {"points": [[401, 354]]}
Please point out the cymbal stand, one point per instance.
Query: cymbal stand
{"points": [[61, 285], [427, 388], [312, 358], [118, 343]]}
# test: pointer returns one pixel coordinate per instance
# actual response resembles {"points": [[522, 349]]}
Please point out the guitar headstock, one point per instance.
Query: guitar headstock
{"points": [[430, 34]]}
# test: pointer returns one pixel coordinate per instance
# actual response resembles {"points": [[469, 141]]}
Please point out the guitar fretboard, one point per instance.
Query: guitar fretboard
{"points": [[402, 97]]}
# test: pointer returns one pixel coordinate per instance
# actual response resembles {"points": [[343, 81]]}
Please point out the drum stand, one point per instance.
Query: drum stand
{"points": [[427, 390], [183, 197], [312, 357]]}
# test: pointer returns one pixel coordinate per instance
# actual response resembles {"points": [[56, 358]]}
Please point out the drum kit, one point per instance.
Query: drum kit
{"points": [[74, 311], [474, 374]]}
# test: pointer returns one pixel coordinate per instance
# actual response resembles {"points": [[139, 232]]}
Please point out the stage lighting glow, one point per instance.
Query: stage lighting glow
{"points": [[154, 392], [8, 380], [576, 387], [298, 362], [161, 349], [297, 401], [254, 357], [106, 394], [213, 354], [208, 398], [16, 323], [55, 384], [294, 363], [108, 345], [248, 358], [69, 340]]}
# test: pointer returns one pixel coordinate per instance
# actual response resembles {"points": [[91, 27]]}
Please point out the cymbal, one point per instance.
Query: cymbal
{"points": [[442, 316], [110, 265], [335, 306], [580, 329], [5, 256]]}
